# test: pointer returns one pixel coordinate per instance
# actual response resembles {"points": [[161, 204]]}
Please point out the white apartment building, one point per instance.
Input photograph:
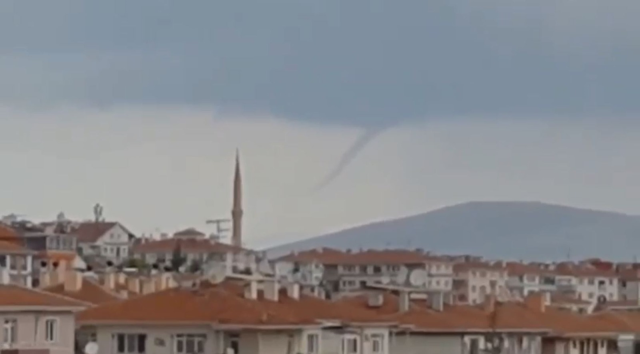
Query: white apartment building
{"points": [[475, 280], [346, 271], [629, 285], [524, 279], [588, 283]]}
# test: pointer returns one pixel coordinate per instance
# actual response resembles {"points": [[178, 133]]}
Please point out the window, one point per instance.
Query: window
{"points": [[189, 343], [130, 343], [234, 343], [474, 346], [10, 330], [377, 343], [591, 281], [51, 330], [313, 343], [350, 344]]}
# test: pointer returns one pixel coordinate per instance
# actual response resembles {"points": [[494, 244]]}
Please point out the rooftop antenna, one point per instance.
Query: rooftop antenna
{"points": [[97, 212], [220, 226]]}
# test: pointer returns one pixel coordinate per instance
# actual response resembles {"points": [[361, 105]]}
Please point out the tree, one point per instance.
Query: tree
{"points": [[177, 259], [195, 266]]}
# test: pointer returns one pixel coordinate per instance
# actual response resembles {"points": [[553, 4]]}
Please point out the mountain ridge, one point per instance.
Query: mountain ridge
{"points": [[528, 230]]}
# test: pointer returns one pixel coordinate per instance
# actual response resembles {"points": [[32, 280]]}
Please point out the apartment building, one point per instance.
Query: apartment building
{"points": [[587, 282], [347, 271], [524, 279], [629, 284], [474, 281]]}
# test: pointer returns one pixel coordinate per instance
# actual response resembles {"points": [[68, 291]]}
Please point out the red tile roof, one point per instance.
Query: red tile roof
{"points": [[187, 245], [90, 292], [89, 232], [17, 296], [223, 304]]}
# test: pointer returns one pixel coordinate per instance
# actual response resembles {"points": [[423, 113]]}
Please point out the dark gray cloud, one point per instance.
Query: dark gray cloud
{"points": [[353, 62]]}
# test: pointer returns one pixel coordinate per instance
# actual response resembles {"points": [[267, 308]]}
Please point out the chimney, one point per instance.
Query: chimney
{"points": [[123, 294], [537, 302], [436, 301], [54, 277], [133, 284], [403, 301], [4, 276], [251, 290], [148, 286], [271, 290], [121, 278], [45, 279], [293, 291], [72, 281], [110, 280], [490, 302]]}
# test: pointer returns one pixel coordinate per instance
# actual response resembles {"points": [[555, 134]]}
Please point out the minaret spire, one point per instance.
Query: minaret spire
{"points": [[236, 211]]}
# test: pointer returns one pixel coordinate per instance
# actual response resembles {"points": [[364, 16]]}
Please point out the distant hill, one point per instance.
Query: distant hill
{"points": [[510, 230]]}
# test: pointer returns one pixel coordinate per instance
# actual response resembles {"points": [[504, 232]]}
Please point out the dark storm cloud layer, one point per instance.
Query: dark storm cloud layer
{"points": [[354, 62]]}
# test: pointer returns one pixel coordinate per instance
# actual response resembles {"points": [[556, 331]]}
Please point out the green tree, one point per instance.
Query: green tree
{"points": [[177, 259], [195, 266]]}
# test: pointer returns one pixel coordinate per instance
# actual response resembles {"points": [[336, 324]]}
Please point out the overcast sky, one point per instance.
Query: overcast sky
{"points": [[140, 106]]}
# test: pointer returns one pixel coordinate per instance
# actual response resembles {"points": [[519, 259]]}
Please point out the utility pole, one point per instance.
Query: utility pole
{"points": [[220, 226]]}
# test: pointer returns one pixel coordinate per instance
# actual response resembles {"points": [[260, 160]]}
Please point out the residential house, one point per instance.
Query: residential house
{"points": [[193, 247], [252, 317], [17, 261], [110, 240], [474, 281], [33, 319], [50, 243]]}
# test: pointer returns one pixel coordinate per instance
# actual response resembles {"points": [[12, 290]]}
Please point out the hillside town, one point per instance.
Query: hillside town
{"points": [[95, 287]]}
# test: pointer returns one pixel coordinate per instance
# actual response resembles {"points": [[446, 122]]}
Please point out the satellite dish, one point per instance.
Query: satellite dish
{"points": [[217, 273], [264, 267], [385, 279], [91, 348], [418, 277], [401, 277]]}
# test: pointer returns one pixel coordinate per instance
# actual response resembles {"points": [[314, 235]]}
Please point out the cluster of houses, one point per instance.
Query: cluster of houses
{"points": [[94, 287], [255, 309]]}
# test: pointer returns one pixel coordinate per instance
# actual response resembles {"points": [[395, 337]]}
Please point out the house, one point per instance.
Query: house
{"points": [[34, 319], [18, 263], [192, 246], [250, 316], [110, 240]]}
